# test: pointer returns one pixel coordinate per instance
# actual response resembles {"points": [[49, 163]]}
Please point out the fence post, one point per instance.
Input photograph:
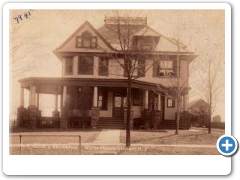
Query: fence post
{"points": [[79, 145], [20, 138]]}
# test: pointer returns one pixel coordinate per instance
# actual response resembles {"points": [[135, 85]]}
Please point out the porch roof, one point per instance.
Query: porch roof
{"points": [[50, 85]]}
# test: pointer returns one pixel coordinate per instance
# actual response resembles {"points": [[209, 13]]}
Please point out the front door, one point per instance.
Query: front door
{"points": [[119, 103]]}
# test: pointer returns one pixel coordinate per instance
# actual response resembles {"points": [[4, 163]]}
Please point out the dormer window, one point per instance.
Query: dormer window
{"points": [[86, 40], [146, 44]]}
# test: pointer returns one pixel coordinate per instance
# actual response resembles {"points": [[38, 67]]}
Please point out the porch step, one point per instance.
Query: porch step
{"points": [[111, 123], [167, 124]]}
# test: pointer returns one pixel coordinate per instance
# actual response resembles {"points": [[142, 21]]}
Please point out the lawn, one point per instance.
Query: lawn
{"points": [[142, 142], [33, 138], [197, 136]]}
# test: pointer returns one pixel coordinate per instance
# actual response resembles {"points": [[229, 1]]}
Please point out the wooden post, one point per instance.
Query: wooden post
{"points": [[146, 99], [80, 144], [159, 102], [20, 139], [95, 93], [64, 103]]}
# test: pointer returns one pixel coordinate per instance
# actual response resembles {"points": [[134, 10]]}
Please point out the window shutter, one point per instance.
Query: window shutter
{"points": [[155, 68], [175, 67]]}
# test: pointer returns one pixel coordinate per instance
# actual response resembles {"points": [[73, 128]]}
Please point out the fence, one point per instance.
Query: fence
{"points": [[21, 144]]}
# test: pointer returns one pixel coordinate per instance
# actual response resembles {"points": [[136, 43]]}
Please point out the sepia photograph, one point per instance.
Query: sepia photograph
{"points": [[116, 81]]}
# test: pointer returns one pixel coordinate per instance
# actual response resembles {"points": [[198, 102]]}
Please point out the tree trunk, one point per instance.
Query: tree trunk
{"points": [[129, 88], [210, 112], [178, 98]]}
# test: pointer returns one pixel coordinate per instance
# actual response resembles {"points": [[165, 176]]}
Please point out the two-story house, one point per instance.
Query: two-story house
{"points": [[90, 71]]}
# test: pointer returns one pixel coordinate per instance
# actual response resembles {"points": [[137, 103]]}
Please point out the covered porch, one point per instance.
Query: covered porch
{"points": [[84, 101]]}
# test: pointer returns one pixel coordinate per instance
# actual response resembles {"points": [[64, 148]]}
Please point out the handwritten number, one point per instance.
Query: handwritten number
{"points": [[20, 17], [26, 15], [16, 19]]}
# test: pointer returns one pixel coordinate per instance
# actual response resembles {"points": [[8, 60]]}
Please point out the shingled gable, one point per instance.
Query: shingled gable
{"points": [[69, 44]]}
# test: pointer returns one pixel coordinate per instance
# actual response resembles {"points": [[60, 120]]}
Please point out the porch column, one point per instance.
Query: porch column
{"points": [[64, 101], [185, 102], [56, 102], [32, 110], [32, 95], [95, 111], [64, 109], [146, 100], [95, 93], [55, 113], [146, 112], [37, 100], [159, 102], [22, 97]]}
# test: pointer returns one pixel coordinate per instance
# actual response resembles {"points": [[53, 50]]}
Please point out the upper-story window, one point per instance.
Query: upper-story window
{"points": [[137, 67], [86, 40], [68, 65], [103, 66], [85, 65], [164, 68]]}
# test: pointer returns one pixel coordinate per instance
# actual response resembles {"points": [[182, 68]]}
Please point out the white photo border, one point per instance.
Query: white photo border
{"points": [[121, 165]]}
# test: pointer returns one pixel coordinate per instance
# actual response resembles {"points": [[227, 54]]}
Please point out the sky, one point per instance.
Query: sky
{"points": [[33, 39]]}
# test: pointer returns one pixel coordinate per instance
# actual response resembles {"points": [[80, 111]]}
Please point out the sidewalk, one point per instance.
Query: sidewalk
{"points": [[107, 137]]}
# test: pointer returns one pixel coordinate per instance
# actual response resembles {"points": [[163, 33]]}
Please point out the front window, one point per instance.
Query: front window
{"points": [[103, 67], [68, 65], [102, 99], [170, 103], [85, 65]]}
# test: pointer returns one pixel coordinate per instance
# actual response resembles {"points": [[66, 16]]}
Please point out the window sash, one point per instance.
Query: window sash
{"points": [[69, 65], [170, 103], [164, 68], [103, 67], [86, 41], [103, 99], [139, 70], [85, 65]]}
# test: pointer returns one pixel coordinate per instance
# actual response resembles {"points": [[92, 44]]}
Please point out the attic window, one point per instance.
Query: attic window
{"points": [[146, 44], [86, 41]]}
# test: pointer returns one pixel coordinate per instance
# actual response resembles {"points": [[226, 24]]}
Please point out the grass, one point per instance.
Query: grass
{"points": [[86, 137], [139, 141], [194, 136]]}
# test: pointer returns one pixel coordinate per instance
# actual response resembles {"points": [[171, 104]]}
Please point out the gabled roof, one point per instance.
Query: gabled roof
{"points": [[197, 102], [86, 23], [164, 44], [110, 41]]}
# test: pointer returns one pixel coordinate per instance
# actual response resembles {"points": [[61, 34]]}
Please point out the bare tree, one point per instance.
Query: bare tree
{"points": [[129, 58], [211, 85]]}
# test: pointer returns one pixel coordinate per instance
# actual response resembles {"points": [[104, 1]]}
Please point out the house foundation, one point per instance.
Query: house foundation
{"points": [[64, 118]]}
